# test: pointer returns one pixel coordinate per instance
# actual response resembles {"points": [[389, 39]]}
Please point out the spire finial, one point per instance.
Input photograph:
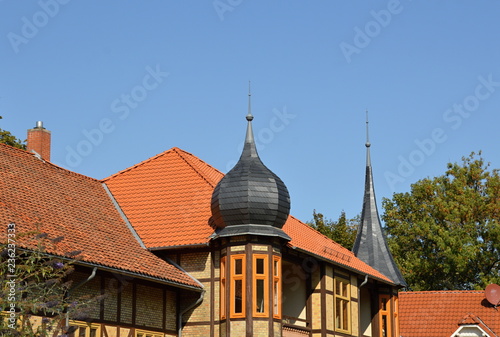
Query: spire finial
{"points": [[249, 136], [367, 144], [249, 115]]}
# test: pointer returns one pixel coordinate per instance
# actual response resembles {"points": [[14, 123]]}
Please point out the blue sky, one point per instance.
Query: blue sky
{"points": [[118, 82]]}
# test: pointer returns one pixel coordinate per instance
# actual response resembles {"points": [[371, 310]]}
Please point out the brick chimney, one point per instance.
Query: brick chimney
{"points": [[39, 141]]}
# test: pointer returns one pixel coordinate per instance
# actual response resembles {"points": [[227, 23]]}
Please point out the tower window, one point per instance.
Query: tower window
{"points": [[276, 287], [237, 289], [223, 287], [261, 285]]}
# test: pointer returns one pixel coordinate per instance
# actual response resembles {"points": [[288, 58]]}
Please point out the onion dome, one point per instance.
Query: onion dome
{"points": [[250, 198]]}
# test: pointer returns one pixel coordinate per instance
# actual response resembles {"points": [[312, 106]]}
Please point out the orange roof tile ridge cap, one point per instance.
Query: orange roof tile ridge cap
{"points": [[428, 292], [123, 216], [178, 151], [350, 253], [198, 159], [485, 325], [137, 165], [33, 155]]}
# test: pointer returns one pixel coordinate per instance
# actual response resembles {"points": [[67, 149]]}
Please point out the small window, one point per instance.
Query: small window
{"points": [[276, 287], [396, 315], [223, 287], [385, 315], [260, 285], [342, 304], [144, 333], [237, 289], [85, 329]]}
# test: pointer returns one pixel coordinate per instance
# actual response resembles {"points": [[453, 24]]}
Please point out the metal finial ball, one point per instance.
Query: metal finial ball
{"points": [[368, 144], [249, 117]]}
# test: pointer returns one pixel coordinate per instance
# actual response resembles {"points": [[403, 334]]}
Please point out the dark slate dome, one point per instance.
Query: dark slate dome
{"points": [[250, 198]]}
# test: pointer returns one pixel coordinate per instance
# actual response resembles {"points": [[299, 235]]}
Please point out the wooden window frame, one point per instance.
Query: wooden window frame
{"points": [[276, 290], [145, 333], [339, 297], [263, 277], [237, 277], [223, 287], [385, 312], [396, 314], [86, 326]]}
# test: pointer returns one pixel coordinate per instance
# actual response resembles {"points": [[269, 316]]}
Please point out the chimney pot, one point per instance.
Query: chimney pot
{"points": [[39, 125]]}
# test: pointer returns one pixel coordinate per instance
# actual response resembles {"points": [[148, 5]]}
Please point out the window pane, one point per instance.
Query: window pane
{"points": [[238, 266], [345, 315], [276, 268], [238, 301], [81, 332], [259, 266], [337, 314], [337, 286], [223, 267], [344, 289], [276, 298], [384, 326], [260, 296]]}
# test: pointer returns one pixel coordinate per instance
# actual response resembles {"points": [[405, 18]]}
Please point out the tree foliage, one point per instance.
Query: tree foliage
{"points": [[343, 231], [7, 138], [445, 232], [34, 289]]}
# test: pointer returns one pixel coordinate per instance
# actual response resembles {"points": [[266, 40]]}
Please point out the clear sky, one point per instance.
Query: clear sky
{"points": [[117, 82]]}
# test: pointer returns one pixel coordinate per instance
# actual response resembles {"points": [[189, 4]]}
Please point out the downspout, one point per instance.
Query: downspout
{"points": [[179, 317], [198, 301], [365, 281], [92, 275], [359, 306]]}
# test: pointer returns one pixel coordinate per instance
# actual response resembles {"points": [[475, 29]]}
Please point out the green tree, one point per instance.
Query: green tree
{"points": [[343, 231], [34, 288], [445, 232], [7, 138]]}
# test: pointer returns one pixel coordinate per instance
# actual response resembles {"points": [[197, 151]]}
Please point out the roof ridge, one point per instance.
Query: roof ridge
{"points": [[178, 151], [198, 159], [138, 164], [33, 155], [425, 292]]}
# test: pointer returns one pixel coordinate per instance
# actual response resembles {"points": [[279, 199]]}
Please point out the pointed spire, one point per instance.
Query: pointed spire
{"points": [[370, 245], [249, 148]]}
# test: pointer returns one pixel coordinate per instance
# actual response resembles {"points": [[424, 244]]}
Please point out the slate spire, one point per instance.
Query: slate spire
{"points": [[250, 198], [370, 245]]}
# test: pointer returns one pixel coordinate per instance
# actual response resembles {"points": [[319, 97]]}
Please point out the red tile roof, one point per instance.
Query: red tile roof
{"points": [[305, 238], [63, 203], [439, 313], [167, 200]]}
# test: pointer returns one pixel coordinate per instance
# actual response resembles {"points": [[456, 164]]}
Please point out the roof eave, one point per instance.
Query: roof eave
{"points": [[129, 273], [319, 257]]}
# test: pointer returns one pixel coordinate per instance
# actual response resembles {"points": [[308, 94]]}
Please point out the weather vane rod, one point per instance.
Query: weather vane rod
{"points": [[367, 136]]}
